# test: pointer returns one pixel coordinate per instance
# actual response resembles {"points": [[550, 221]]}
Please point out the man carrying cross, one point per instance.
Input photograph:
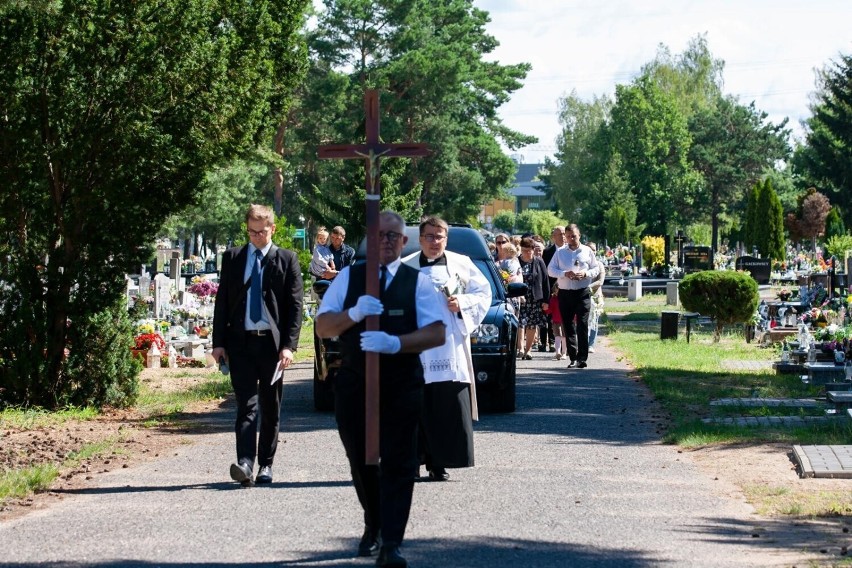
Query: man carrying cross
{"points": [[410, 321]]}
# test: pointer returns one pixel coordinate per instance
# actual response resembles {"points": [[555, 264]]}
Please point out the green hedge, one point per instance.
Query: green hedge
{"points": [[726, 296]]}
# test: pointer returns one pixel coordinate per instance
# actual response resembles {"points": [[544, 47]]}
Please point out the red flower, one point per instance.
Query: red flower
{"points": [[144, 341]]}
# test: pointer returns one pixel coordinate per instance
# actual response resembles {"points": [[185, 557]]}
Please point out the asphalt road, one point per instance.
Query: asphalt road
{"points": [[576, 477]]}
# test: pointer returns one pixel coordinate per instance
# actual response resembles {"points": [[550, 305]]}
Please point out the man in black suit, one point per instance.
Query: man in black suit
{"points": [[411, 319], [256, 324], [557, 237]]}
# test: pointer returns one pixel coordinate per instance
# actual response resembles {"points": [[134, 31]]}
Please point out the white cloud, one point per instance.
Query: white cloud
{"points": [[770, 50]]}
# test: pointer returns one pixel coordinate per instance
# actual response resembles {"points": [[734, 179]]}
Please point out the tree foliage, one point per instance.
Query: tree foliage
{"points": [[428, 60], [110, 114], [827, 157]]}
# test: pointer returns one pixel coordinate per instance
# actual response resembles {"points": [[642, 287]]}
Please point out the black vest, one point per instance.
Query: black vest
{"points": [[398, 318]]}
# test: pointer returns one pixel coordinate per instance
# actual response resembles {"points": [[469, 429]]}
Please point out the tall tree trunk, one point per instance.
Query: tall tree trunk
{"points": [[278, 173]]}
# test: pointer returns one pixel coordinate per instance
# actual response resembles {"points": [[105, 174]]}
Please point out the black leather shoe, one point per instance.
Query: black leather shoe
{"points": [[241, 472], [264, 475], [582, 364], [370, 544], [438, 474], [389, 557], [572, 364]]}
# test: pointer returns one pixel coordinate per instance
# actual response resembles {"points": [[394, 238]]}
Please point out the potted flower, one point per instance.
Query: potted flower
{"points": [[784, 294]]}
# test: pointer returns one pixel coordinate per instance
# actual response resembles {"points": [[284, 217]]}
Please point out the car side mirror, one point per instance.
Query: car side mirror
{"points": [[516, 289], [320, 286]]}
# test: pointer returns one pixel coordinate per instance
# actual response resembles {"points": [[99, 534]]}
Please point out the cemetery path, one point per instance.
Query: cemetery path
{"points": [[576, 476]]}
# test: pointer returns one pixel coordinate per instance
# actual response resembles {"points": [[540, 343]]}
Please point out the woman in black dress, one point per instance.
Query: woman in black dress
{"points": [[538, 295]]}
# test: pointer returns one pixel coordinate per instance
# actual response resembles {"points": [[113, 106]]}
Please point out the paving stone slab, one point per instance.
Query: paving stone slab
{"points": [[824, 461], [768, 421], [735, 365], [756, 402]]}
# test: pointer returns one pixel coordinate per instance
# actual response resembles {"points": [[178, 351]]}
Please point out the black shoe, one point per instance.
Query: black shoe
{"points": [[241, 472], [438, 474], [370, 543], [389, 557], [542, 348], [264, 475], [582, 364], [572, 364]]}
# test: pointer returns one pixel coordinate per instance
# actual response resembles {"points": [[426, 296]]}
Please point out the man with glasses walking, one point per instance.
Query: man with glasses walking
{"points": [[446, 427], [256, 325], [411, 321]]}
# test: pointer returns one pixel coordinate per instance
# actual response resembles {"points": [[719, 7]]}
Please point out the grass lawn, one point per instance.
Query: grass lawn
{"points": [[685, 377]]}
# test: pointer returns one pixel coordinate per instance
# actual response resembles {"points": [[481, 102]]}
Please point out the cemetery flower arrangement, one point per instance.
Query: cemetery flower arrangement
{"points": [[784, 294], [203, 288], [186, 312], [145, 341]]}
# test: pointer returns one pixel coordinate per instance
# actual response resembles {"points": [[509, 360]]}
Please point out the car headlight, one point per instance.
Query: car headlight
{"points": [[485, 333]]}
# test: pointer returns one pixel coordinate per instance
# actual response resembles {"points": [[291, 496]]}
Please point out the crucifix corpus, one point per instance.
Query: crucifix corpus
{"points": [[371, 152]]}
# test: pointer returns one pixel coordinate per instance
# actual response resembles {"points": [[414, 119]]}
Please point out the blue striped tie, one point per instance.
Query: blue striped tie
{"points": [[255, 296]]}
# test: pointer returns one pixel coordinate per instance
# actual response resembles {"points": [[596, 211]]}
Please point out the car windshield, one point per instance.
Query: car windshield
{"points": [[487, 268]]}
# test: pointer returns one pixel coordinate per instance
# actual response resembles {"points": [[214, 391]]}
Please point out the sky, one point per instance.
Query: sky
{"points": [[770, 50]]}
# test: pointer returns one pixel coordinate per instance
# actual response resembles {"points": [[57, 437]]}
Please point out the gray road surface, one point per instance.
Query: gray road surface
{"points": [[575, 477]]}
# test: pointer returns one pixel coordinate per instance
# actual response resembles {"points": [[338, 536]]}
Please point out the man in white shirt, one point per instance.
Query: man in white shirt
{"points": [[575, 267], [411, 319]]}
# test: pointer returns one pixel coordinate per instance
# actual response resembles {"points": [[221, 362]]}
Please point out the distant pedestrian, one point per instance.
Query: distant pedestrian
{"points": [[597, 303], [574, 267], [342, 255], [532, 313], [322, 259], [559, 343]]}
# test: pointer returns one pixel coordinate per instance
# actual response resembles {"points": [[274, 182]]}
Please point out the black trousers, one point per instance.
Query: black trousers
{"points": [[576, 303], [251, 372], [384, 491]]}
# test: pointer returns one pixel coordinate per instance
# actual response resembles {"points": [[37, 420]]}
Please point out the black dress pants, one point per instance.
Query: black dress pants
{"points": [[384, 491], [251, 372], [576, 303]]}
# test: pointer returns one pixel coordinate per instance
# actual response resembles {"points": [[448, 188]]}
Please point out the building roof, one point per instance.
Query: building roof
{"points": [[526, 184]]}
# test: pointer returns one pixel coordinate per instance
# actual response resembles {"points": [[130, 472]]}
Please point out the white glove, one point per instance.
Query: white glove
{"points": [[366, 306], [380, 342]]}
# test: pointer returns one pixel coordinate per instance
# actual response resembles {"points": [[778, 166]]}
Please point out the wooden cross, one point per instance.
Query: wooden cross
{"points": [[371, 153]]}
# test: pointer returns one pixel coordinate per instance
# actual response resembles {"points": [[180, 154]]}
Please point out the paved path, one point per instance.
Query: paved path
{"points": [[575, 477]]}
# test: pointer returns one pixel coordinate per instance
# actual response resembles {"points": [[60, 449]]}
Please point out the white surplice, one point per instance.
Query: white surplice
{"points": [[460, 277]]}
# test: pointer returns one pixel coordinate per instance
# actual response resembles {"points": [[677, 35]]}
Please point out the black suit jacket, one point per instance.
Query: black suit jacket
{"points": [[282, 297]]}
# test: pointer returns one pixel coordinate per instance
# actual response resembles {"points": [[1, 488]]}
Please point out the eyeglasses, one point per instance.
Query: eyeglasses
{"points": [[434, 238], [500, 242], [258, 233], [391, 236]]}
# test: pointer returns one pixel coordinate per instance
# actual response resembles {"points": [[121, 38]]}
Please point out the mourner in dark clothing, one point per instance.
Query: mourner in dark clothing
{"points": [[411, 321]]}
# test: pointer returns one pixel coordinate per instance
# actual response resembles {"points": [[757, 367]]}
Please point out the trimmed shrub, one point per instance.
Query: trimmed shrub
{"points": [[728, 297]]}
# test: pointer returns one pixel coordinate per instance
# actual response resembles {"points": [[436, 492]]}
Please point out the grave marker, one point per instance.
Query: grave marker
{"points": [[696, 259], [759, 268]]}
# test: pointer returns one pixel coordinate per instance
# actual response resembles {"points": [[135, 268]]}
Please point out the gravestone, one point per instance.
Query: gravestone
{"points": [[144, 285], [696, 259], [163, 256], [634, 289], [672, 294], [174, 272], [759, 268], [162, 294]]}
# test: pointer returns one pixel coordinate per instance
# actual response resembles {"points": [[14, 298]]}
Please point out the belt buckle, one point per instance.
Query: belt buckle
{"points": [[262, 332]]}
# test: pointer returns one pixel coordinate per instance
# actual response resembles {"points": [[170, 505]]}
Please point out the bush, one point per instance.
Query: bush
{"points": [[100, 366], [726, 296], [653, 251], [837, 245]]}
